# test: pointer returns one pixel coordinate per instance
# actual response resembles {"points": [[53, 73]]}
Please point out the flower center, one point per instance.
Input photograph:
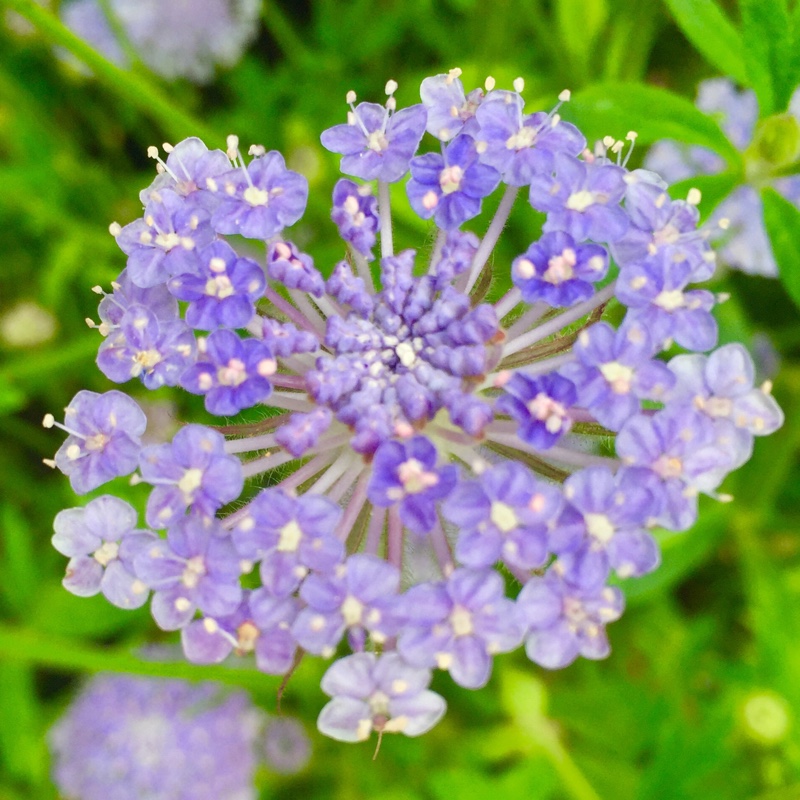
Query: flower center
{"points": [[415, 478], [670, 300], [290, 536], [549, 411], [619, 376], [106, 553], [522, 139], [96, 441], [461, 621], [194, 570], [234, 373], [503, 517], [599, 527], [450, 179], [219, 286], [581, 200], [561, 268], [377, 141], [190, 482], [352, 611], [255, 196]]}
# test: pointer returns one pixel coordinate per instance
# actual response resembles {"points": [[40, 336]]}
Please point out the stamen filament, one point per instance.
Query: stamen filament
{"points": [[385, 213]]}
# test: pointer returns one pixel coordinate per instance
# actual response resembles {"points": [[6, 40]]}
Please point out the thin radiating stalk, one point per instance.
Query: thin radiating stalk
{"points": [[332, 474], [312, 314], [536, 368], [492, 235], [385, 212], [250, 444], [286, 381], [555, 324], [363, 270], [289, 310], [561, 455], [528, 318], [377, 523], [340, 489], [506, 303], [354, 506], [307, 471], [394, 539], [290, 401], [266, 463], [441, 549]]}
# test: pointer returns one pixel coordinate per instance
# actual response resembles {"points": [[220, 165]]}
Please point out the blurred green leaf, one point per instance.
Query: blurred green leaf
{"points": [[767, 39], [580, 22], [782, 220], [19, 572], [708, 28], [21, 745], [654, 113]]}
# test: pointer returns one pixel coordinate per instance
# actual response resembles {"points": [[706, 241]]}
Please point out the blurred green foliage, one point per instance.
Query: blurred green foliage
{"points": [[701, 695]]}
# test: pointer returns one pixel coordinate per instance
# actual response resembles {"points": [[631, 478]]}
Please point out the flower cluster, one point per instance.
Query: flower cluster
{"points": [[430, 450], [742, 241], [130, 738]]}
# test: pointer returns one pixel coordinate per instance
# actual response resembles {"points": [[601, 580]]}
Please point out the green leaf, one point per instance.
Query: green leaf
{"points": [[580, 22], [21, 745], [782, 221], [708, 28], [615, 108], [767, 39]]}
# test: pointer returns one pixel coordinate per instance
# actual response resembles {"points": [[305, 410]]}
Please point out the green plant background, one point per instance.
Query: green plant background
{"points": [[701, 695]]}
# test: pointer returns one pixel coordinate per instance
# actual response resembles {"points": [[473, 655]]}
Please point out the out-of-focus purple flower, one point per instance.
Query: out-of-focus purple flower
{"points": [[355, 212], [259, 200], [564, 620], [232, 373], [450, 187], [376, 143], [287, 748], [104, 438], [383, 694], [193, 471], [558, 271], [406, 473], [582, 199], [101, 542], [223, 291], [459, 625], [128, 738], [195, 567]]}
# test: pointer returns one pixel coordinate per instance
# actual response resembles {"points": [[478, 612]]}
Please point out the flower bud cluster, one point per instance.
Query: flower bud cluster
{"points": [[431, 451]]}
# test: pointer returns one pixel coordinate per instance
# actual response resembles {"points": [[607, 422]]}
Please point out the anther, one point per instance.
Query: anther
{"points": [[519, 85], [152, 152], [115, 229], [489, 83], [694, 196], [48, 421], [452, 75], [350, 97], [565, 96], [391, 87], [49, 462], [724, 223]]}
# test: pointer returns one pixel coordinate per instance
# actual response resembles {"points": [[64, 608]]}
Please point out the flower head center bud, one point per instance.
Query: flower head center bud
{"points": [[234, 373], [503, 517], [561, 268], [352, 611], [670, 299], [522, 139], [619, 376], [147, 359], [669, 234], [219, 286], [461, 621], [246, 635], [290, 536], [377, 141], [550, 411], [599, 527], [581, 200], [255, 196], [669, 467], [415, 478], [450, 179], [166, 241], [194, 570], [718, 407], [96, 442], [190, 481], [106, 553]]}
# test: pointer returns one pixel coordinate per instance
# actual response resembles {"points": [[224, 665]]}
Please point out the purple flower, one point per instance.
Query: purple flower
{"points": [[166, 242], [449, 187], [406, 473], [101, 542], [284, 339], [459, 625], [193, 471], [582, 199], [156, 299], [290, 536], [450, 111], [260, 200], [654, 291], [355, 212], [521, 147], [295, 270], [129, 737], [375, 143], [104, 438], [157, 352], [377, 693], [359, 596], [232, 373], [558, 271], [604, 525], [505, 514], [260, 624], [195, 567], [540, 405], [349, 290], [614, 370], [223, 291], [685, 450], [565, 621]]}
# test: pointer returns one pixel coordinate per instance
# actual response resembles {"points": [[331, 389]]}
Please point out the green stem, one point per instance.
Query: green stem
{"points": [[292, 46], [573, 780], [135, 88], [21, 646]]}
